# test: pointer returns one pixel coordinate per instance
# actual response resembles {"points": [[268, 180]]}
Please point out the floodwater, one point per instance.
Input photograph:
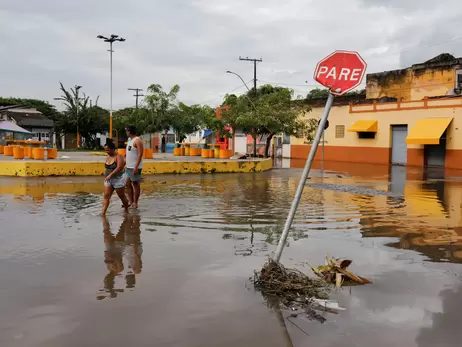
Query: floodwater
{"points": [[176, 272]]}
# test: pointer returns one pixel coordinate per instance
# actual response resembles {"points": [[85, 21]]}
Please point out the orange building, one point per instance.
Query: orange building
{"points": [[409, 117]]}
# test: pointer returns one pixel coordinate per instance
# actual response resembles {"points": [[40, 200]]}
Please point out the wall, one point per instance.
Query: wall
{"points": [[378, 150], [411, 84]]}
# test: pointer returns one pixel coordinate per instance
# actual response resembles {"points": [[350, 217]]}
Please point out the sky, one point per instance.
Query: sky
{"points": [[194, 42]]}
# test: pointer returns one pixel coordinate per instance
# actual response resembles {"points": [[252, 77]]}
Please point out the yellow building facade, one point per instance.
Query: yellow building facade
{"points": [[420, 126]]}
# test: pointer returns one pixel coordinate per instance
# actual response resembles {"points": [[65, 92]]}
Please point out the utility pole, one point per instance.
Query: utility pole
{"points": [[137, 95], [254, 61]]}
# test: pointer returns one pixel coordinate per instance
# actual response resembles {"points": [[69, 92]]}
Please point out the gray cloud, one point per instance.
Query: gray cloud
{"points": [[194, 42]]}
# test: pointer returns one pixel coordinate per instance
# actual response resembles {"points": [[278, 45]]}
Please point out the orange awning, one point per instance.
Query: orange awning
{"points": [[428, 131], [364, 126]]}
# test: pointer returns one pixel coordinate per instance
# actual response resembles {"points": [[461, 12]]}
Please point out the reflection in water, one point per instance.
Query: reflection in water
{"points": [[424, 215], [125, 245], [445, 329]]}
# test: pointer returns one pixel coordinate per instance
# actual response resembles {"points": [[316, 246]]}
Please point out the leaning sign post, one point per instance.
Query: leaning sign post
{"points": [[340, 72]]}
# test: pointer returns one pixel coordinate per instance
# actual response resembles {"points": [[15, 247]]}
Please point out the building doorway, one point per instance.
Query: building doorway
{"points": [[398, 145], [435, 155]]}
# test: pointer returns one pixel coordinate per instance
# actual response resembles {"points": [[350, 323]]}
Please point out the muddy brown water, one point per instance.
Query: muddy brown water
{"points": [[175, 273]]}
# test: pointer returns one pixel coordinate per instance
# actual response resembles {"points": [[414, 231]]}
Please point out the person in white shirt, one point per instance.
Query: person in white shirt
{"points": [[134, 160]]}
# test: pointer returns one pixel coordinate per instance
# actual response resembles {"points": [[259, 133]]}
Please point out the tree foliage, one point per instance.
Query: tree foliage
{"points": [[161, 106], [162, 110], [80, 114], [318, 93], [271, 111], [42, 106]]}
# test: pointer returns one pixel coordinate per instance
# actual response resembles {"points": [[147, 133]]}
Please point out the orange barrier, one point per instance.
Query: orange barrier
{"points": [[38, 153], [187, 149], [177, 152], [52, 153], [122, 151], [226, 153], [18, 152], [183, 151], [195, 152], [29, 152], [1, 149], [148, 153], [216, 151], [8, 151], [205, 153]]}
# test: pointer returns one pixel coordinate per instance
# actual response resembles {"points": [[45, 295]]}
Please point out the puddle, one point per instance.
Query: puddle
{"points": [[175, 272]]}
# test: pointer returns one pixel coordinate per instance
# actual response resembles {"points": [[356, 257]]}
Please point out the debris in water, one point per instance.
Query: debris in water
{"points": [[327, 305], [335, 271], [292, 287]]}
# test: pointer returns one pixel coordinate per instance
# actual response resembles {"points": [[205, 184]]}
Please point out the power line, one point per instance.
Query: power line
{"points": [[137, 95], [223, 94]]}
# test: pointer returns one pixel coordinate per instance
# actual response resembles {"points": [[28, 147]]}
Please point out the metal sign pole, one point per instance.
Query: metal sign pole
{"points": [[322, 167], [301, 184]]}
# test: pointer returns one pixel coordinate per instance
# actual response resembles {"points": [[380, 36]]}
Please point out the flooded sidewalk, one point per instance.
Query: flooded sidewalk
{"points": [[175, 273]]}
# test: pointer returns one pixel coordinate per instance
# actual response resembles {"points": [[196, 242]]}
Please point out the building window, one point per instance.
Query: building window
{"points": [[339, 131], [364, 135], [170, 138]]}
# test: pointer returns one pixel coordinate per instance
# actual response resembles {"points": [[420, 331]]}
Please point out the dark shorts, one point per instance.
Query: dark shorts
{"points": [[134, 178]]}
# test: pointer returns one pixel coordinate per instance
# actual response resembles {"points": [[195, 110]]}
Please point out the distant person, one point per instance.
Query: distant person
{"points": [[163, 145], [114, 176], [134, 155]]}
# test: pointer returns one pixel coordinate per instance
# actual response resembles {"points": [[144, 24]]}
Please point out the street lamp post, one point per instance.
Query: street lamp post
{"points": [[113, 38]]}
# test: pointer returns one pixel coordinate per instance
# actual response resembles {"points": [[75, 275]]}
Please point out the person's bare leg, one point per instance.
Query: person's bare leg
{"points": [[129, 192], [107, 199], [121, 193], [137, 193]]}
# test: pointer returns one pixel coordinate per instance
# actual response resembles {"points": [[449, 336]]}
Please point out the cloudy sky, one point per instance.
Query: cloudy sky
{"points": [[193, 42]]}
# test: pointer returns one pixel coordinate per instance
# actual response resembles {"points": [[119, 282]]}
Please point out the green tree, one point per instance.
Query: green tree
{"points": [[161, 107], [139, 117], [184, 120], [311, 127], [271, 112], [241, 114], [318, 93], [80, 115], [44, 107]]}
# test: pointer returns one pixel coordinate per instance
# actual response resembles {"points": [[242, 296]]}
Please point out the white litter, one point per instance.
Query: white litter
{"points": [[328, 304]]}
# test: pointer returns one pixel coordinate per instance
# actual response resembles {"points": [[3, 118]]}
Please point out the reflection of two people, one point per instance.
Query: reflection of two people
{"points": [[126, 247]]}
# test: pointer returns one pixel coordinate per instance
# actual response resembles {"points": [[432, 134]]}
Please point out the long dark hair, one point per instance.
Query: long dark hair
{"points": [[110, 144]]}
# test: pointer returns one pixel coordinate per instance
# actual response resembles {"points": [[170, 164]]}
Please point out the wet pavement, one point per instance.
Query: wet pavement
{"points": [[176, 272]]}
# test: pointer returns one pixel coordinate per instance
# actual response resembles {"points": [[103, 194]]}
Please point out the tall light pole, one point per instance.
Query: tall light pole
{"points": [[113, 38], [236, 74]]}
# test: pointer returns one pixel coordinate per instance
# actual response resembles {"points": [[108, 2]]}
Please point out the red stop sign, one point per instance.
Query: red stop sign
{"points": [[341, 71]]}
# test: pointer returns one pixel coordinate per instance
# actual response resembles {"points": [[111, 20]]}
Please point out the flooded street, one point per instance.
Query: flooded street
{"points": [[176, 272]]}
